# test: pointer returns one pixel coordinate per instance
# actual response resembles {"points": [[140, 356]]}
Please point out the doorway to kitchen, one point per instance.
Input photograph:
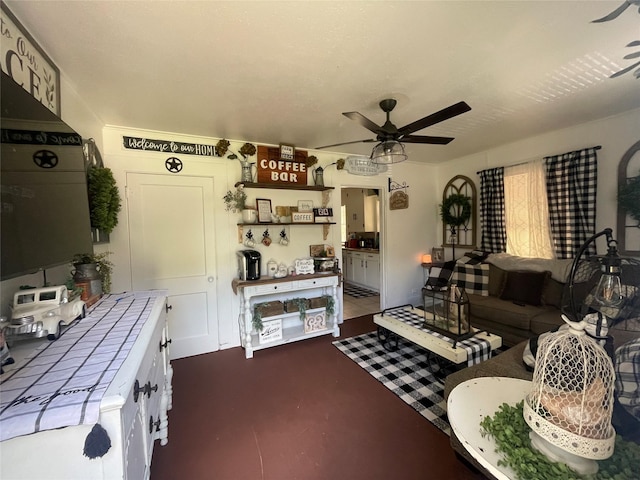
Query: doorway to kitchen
{"points": [[360, 237]]}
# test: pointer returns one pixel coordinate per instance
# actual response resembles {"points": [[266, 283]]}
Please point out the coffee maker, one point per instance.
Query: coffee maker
{"points": [[248, 265]]}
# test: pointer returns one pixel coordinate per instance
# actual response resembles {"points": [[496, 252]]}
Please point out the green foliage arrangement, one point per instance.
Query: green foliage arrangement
{"points": [[511, 434], [455, 210], [103, 264], [331, 304], [235, 200], [629, 197], [104, 199]]}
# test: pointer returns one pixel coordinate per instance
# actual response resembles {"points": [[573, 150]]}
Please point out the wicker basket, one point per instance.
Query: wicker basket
{"points": [[270, 309], [318, 302], [292, 306]]}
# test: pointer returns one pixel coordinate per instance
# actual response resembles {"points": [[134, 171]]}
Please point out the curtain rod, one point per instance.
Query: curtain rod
{"points": [[597, 147]]}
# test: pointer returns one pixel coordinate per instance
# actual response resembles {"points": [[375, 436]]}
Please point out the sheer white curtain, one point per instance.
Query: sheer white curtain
{"points": [[526, 211]]}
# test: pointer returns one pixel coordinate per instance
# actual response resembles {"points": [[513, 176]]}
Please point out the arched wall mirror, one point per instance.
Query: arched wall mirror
{"points": [[465, 236], [628, 231]]}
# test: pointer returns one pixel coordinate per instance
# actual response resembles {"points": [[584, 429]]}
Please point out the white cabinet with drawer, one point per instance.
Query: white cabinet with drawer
{"points": [[132, 412], [292, 328]]}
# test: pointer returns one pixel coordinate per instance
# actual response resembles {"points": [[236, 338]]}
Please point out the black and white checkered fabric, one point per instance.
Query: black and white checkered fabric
{"points": [[63, 382], [406, 371], [473, 278], [492, 211], [439, 275], [571, 190], [478, 349], [358, 292]]}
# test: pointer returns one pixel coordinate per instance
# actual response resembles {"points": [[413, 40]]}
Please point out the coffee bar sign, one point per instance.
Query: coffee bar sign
{"points": [[25, 62], [274, 169]]}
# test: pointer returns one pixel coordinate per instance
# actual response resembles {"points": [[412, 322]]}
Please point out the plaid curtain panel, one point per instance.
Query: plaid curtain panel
{"points": [[494, 234], [571, 190]]}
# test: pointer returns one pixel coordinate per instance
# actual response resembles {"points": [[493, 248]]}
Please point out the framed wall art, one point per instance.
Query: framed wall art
{"points": [[264, 210]]}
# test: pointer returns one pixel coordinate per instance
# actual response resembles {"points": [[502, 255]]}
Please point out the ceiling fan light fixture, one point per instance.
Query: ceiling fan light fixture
{"points": [[387, 152]]}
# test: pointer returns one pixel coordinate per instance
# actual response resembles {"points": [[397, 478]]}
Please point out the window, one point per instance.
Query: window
{"points": [[526, 211]]}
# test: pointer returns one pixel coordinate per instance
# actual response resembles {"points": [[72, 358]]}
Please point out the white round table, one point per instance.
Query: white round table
{"points": [[475, 399]]}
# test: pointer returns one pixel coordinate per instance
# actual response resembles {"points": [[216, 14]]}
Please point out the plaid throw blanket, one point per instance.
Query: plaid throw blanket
{"points": [[63, 382], [478, 349]]}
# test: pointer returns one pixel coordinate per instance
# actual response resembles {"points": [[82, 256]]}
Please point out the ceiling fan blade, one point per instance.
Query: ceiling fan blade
{"points": [[426, 139], [441, 116], [368, 140], [364, 121]]}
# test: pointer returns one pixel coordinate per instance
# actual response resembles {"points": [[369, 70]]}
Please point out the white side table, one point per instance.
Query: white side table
{"points": [[475, 399]]}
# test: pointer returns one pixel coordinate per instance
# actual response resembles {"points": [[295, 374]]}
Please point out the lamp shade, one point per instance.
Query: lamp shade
{"points": [[388, 152]]}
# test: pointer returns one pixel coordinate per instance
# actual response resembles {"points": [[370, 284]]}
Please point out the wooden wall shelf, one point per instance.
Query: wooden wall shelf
{"points": [[283, 186]]}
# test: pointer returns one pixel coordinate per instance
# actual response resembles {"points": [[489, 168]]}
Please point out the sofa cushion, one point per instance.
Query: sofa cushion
{"points": [[473, 278], [497, 277], [552, 293], [548, 319], [502, 312], [524, 286]]}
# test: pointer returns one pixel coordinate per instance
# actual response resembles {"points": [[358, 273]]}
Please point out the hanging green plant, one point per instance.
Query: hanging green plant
{"points": [[104, 199], [629, 197], [456, 209]]}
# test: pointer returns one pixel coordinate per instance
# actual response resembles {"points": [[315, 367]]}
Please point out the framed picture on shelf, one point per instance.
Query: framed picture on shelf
{"points": [[305, 205], [264, 210], [437, 254]]}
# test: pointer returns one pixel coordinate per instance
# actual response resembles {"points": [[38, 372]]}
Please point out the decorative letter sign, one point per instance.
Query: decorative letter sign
{"points": [[24, 61], [273, 169]]}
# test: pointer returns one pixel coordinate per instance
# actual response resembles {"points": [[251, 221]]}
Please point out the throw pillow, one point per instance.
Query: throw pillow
{"points": [[497, 276], [473, 278], [523, 286], [439, 276]]}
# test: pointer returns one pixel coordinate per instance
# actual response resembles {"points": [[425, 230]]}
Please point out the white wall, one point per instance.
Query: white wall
{"points": [[615, 134]]}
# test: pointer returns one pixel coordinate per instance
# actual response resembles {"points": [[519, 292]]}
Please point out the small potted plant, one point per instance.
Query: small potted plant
{"points": [[86, 264]]}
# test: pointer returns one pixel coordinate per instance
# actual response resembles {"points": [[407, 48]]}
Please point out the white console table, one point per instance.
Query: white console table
{"points": [[282, 289], [131, 407]]}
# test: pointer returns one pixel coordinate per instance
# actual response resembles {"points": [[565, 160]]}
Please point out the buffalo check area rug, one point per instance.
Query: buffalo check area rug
{"points": [[357, 292], [407, 372]]}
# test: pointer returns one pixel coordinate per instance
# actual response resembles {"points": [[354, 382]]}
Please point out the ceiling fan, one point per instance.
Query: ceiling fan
{"points": [[390, 137]]}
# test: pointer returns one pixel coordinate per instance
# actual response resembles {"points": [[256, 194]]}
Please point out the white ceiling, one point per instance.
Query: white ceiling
{"points": [[283, 72]]}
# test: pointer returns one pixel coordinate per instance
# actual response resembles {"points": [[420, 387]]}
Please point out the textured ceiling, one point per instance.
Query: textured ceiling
{"points": [[283, 72]]}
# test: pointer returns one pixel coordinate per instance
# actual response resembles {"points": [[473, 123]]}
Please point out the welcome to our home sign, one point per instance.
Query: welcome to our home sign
{"points": [[168, 146], [24, 61], [274, 169]]}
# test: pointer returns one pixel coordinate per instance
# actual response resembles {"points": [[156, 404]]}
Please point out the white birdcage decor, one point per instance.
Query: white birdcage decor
{"points": [[570, 404], [446, 311]]}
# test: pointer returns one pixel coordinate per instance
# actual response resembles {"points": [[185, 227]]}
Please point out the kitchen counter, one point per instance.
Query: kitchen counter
{"points": [[365, 250]]}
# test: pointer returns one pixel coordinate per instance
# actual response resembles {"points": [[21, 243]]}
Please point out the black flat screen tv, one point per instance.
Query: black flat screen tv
{"points": [[45, 208]]}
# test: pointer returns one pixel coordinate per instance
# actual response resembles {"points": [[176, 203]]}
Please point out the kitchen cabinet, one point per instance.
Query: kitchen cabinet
{"points": [[282, 289], [133, 407], [362, 268]]}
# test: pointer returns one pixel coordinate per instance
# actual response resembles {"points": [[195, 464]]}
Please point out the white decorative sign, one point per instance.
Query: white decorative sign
{"points": [[271, 331], [24, 61], [315, 322], [302, 217], [304, 266], [361, 165]]}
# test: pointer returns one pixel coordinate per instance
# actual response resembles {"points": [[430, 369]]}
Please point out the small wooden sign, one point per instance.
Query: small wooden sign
{"points": [[301, 217], [273, 169]]}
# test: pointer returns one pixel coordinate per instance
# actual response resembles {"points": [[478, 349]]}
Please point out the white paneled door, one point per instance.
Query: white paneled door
{"points": [[172, 242]]}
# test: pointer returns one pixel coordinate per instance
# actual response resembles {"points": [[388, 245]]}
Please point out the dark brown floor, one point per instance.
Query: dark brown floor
{"points": [[298, 411]]}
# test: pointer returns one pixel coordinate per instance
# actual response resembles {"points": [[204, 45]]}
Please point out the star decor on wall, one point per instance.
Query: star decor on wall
{"points": [[173, 164], [45, 159]]}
